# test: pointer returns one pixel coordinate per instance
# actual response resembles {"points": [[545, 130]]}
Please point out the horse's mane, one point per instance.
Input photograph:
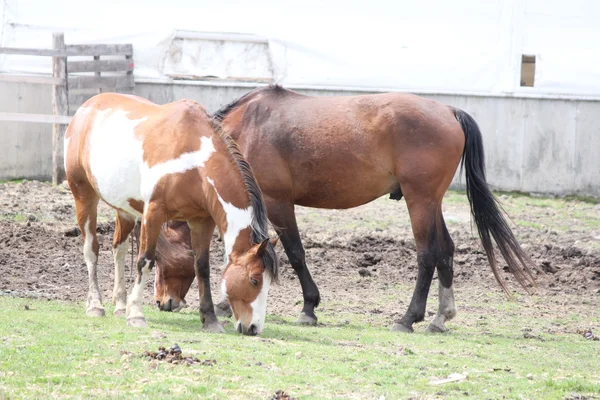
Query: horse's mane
{"points": [[221, 113], [259, 226]]}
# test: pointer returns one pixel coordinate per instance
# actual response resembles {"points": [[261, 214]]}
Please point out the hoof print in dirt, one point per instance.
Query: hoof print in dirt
{"points": [[364, 272], [174, 355], [73, 232], [281, 395], [369, 260]]}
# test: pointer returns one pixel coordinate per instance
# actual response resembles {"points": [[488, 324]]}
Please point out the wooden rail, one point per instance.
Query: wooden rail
{"points": [[73, 50], [35, 118], [72, 85]]}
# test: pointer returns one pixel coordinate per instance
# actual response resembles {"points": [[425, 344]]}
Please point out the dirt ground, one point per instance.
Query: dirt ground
{"points": [[41, 252]]}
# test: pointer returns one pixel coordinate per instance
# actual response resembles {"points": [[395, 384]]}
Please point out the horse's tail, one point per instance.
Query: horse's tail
{"points": [[486, 210]]}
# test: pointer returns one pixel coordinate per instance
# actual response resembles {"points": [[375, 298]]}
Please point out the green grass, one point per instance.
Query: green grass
{"points": [[455, 197], [53, 351], [15, 217], [15, 181], [530, 224]]}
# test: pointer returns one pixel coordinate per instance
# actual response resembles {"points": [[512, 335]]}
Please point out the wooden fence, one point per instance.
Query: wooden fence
{"points": [[74, 80]]}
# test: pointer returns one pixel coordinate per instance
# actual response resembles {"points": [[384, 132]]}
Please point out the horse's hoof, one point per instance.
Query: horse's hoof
{"points": [[214, 327], [223, 310], [137, 322], [305, 319], [95, 312], [119, 313], [432, 328], [398, 327]]}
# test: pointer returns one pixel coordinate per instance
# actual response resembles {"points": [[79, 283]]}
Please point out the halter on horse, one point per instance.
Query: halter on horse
{"points": [[162, 163], [344, 151]]}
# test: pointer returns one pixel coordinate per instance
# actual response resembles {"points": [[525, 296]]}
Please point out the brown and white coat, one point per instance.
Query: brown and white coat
{"points": [[161, 163]]}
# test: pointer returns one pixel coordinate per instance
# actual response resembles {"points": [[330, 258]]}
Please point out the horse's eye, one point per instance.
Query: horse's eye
{"points": [[253, 281]]}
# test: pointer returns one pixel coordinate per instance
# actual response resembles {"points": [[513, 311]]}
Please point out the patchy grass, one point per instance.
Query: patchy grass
{"points": [[15, 181], [455, 197], [51, 350], [16, 217], [530, 224], [525, 348]]}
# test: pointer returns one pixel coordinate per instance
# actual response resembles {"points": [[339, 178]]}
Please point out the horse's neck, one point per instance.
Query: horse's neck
{"points": [[234, 223]]}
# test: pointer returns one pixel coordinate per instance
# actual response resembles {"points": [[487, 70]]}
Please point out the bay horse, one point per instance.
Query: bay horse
{"points": [[338, 152], [161, 163]]}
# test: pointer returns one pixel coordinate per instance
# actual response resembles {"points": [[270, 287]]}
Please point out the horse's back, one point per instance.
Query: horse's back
{"points": [[343, 151], [115, 140]]}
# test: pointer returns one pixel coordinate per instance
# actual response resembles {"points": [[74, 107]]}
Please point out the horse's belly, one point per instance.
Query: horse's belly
{"points": [[116, 160], [340, 191]]}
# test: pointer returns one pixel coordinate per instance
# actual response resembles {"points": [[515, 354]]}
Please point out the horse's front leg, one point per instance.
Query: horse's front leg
{"points": [[201, 233], [284, 219], [153, 220]]}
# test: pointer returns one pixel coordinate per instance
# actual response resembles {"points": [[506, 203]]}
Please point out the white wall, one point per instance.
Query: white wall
{"points": [[531, 144], [462, 46]]}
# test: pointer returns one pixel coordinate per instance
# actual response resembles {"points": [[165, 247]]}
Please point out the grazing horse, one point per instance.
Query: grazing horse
{"points": [[179, 261], [161, 163], [344, 151]]}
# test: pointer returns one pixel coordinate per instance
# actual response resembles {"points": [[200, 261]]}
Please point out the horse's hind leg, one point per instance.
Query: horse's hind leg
{"points": [[423, 216], [86, 204], [123, 227], [447, 307]]}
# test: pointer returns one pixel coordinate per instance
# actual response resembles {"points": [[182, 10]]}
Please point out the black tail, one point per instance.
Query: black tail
{"points": [[486, 210]]}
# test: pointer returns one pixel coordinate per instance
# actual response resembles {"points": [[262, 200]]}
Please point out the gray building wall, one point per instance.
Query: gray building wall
{"points": [[540, 145], [25, 148]]}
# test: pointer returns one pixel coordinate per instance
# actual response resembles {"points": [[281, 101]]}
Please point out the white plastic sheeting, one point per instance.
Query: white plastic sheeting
{"points": [[461, 46]]}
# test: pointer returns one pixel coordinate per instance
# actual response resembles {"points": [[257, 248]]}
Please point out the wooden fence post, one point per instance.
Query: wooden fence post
{"points": [[60, 106]]}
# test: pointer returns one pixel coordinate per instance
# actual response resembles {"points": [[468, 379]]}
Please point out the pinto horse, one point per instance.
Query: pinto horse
{"points": [[161, 163], [345, 151]]}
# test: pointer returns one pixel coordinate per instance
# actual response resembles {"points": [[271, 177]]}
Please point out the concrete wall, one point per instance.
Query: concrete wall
{"points": [[537, 145], [25, 148]]}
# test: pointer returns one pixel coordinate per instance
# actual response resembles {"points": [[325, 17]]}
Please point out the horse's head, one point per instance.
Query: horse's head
{"points": [[174, 267], [246, 282], [171, 284]]}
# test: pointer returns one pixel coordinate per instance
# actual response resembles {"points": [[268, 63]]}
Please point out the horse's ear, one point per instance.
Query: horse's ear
{"points": [[275, 241], [262, 247]]}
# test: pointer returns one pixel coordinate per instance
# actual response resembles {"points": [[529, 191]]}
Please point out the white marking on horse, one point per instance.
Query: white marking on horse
{"points": [[237, 220], [446, 299], [446, 308], [183, 163], [155, 283], [259, 306], [116, 156], [116, 160], [135, 299], [224, 289], [88, 251], [91, 261], [119, 290]]}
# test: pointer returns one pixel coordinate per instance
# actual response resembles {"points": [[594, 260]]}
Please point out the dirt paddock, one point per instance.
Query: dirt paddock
{"points": [[352, 254]]}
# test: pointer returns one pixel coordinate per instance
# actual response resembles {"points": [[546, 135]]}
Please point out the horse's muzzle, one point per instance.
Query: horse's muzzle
{"points": [[250, 331], [170, 305]]}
